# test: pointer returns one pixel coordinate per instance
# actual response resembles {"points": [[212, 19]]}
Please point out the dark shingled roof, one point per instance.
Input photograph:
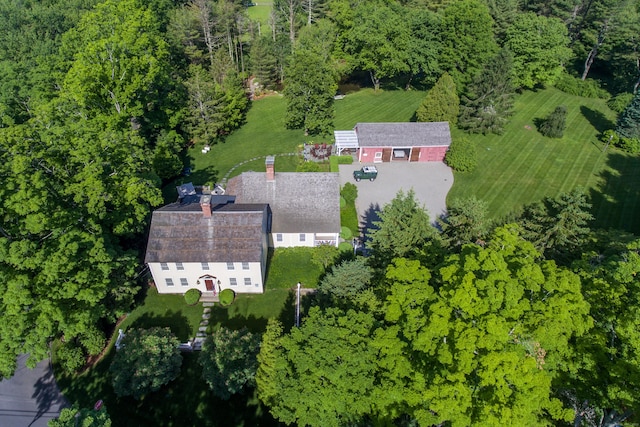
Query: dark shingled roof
{"points": [[434, 134], [300, 202], [181, 233]]}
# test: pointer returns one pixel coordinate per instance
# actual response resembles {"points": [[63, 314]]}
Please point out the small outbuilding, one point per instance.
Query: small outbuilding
{"points": [[396, 142]]}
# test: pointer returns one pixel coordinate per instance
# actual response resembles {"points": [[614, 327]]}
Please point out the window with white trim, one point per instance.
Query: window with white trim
{"points": [[247, 281], [245, 265], [303, 237], [184, 281], [179, 266], [279, 237], [169, 281], [205, 265], [233, 281], [378, 155], [164, 266], [230, 266]]}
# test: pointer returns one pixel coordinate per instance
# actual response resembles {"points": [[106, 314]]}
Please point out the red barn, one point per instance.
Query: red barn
{"points": [[396, 142]]}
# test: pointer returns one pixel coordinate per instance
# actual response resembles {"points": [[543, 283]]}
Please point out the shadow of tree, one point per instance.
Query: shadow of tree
{"points": [[47, 395], [616, 198], [176, 321], [598, 120], [367, 222]]}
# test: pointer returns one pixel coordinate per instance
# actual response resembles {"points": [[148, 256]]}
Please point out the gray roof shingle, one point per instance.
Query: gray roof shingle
{"points": [[411, 134], [300, 202], [181, 233]]}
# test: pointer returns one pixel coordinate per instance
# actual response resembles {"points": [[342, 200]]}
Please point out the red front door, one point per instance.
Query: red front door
{"points": [[209, 284]]}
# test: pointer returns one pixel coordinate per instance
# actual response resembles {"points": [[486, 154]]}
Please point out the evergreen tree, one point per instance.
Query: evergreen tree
{"points": [[466, 221], [263, 61], [629, 122], [441, 103], [488, 102], [403, 230], [270, 348], [554, 125], [558, 227]]}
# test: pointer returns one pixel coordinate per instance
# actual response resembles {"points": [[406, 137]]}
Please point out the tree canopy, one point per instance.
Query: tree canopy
{"points": [[147, 360]]}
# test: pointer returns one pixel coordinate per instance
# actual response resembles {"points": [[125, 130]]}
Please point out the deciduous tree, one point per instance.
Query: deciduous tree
{"points": [[82, 417], [147, 360], [229, 362], [467, 40], [309, 90], [540, 49], [379, 41]]}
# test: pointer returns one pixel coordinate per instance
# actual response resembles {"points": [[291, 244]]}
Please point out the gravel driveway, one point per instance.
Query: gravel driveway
{"points": [[430, 181]]}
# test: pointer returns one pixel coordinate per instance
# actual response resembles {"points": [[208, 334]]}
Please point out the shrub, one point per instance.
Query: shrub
{"points": [[553, 126], [588, 88], [345, 247], [192, 296], [334, 161], [308, 167], [630, 145], [93, 341], [462, 155], [619, 102], [349, 192], [227, 296], [70, 357], [343, 202], [346, 233]]}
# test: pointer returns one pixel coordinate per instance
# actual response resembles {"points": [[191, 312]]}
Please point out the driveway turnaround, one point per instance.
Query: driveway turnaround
{"points": [[430, 181], [31, 397]]}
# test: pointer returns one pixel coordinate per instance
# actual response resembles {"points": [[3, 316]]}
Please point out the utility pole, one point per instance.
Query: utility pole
{"points": [[298, 307]]}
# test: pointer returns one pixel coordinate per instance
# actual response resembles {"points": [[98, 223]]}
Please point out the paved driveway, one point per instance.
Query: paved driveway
{"points": [[31, 397], [430, 181]]}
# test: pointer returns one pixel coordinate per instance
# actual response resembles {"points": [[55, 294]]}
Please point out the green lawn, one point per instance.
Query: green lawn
{"points": [[522, 166], [260, 13], [264, 133], [288, 266]]}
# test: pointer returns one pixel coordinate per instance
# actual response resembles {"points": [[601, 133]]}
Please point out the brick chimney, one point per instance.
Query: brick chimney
{"points": [[205, 204], [271, 172]]}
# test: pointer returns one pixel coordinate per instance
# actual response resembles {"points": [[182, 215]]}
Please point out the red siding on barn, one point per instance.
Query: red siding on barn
{"points": [[427, 154], [432, 154]]}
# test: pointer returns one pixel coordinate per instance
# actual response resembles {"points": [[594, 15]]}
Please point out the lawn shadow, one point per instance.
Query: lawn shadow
{"points": [[597, 119], [220, 316], [288, 314], [174, 320], [616, 199]]}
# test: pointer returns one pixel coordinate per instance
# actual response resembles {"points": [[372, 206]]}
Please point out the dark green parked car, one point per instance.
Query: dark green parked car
{"points": [[367, 172]]}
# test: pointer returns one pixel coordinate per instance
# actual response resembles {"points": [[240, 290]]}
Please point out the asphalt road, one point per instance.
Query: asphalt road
{"points": [[430, 181], [31, 397]]}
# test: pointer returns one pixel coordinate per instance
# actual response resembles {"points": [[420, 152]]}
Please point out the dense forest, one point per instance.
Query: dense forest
{"points": [[532, 320]]}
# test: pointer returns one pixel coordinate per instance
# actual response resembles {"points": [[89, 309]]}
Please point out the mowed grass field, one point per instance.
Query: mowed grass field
{"points": [[521, 166], [516, 168], [264, 132]]}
